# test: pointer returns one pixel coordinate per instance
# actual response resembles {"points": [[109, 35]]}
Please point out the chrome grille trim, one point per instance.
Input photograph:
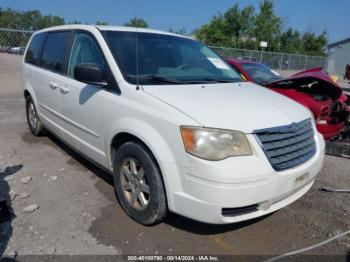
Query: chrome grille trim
{"points": [[288, 146]]}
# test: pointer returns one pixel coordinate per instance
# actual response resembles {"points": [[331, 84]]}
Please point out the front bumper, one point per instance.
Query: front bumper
{"points": [[330, 130], [208, 186]]}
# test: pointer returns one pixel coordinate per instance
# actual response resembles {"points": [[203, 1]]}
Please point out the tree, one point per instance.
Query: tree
{"points": [[137, 22], [181, 31], [101, 23], [8, 18], [245, 28], [75, 22], [48, 21], [233, 28], [27, 20], [239, 22], [236, 27], [215, 32], [314, 45], [247, 21], [268, 26], [291, 41]]}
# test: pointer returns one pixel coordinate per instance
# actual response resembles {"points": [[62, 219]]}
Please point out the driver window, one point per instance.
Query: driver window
{"points": [[85, 50]]}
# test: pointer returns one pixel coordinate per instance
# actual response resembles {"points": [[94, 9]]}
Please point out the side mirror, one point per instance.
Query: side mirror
{"points": [[90, 74]]}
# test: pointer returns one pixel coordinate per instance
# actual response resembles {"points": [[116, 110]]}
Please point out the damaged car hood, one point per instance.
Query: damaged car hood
{"points": [[305, 82], [236, 106]]}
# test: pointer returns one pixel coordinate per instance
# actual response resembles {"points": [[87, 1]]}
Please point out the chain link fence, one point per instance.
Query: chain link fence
{"points": [[280, 61], [14, 42]]}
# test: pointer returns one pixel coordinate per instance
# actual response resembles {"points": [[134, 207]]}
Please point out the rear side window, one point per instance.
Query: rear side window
{"points": [[34, 49], [55, 52]]}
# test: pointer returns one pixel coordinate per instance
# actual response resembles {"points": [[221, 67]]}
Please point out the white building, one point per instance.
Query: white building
{"points": [[338, 57]]}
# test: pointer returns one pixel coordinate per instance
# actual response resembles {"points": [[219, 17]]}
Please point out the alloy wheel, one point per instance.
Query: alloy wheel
{"points": [[33, 117], [134, 184]]}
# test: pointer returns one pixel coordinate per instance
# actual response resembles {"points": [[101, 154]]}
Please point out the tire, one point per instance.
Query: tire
{"points": [[33, 120], [134, 170]]}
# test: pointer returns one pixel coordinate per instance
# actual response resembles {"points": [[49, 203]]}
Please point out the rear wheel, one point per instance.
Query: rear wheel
{"points": [[34, 123], [138, 184]]}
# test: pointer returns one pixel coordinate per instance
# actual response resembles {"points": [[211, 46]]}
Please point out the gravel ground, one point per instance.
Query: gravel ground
{"points": [[65, 205]]}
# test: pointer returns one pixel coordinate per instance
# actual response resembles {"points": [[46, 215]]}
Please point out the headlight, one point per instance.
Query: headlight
{"points": [[214, 144]]}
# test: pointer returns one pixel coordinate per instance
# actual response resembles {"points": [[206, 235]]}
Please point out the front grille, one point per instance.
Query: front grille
{"points": [[288, 146]]}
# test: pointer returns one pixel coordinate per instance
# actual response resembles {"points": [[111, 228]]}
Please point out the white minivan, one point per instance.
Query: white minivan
{"points": [[177, 127]]}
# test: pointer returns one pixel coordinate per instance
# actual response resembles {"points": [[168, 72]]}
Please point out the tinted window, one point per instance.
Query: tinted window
{"points": [[34, 49], [85, 51], [149, 58], [55, 51]]}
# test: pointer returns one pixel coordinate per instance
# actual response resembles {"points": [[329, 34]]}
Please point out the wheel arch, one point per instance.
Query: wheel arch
{"points": [[29, 91], [26, 94], [157, 142], [123, 137], [167, 153]]}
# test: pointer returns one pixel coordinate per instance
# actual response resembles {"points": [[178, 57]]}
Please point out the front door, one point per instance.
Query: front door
{"points": [[82, 105]]}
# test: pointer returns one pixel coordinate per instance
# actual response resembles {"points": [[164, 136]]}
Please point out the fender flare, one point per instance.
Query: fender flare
{"points": [[166, 155]]}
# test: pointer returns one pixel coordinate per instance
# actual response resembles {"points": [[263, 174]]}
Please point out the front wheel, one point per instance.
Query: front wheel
{"points": [[138, 184]]}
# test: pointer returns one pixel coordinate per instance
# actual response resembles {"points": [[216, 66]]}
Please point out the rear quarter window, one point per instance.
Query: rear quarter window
{"points": [[56, 49], [34, 49]]}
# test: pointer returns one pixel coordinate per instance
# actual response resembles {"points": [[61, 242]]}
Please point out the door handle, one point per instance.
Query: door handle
{"points": [[63, 89], [53, 85]]}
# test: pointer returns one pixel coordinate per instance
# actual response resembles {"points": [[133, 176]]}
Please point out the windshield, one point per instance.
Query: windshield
{"points": [[167, 59], [261, 74]]}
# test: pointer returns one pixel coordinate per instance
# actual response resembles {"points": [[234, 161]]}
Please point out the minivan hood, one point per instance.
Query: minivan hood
{"points": [[236, 106]]}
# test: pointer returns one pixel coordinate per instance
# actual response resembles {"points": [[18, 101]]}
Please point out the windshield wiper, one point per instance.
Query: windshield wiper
{"points": [[218, 80], [156, 78], [162, 79]]}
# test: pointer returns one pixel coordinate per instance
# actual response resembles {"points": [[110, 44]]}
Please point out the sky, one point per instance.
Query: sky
{"points": [[304, 15]]}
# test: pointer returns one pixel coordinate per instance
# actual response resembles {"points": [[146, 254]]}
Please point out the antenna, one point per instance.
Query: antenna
{"points": [[137, 50]]}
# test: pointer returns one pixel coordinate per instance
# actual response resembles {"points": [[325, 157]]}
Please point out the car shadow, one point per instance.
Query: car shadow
{"points": [[87, 92], [7, 174], [173, 220], [200, 228], [92, 167]]}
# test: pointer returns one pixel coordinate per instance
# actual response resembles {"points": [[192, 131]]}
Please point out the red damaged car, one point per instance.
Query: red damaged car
{"points": [[312, 88]]}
